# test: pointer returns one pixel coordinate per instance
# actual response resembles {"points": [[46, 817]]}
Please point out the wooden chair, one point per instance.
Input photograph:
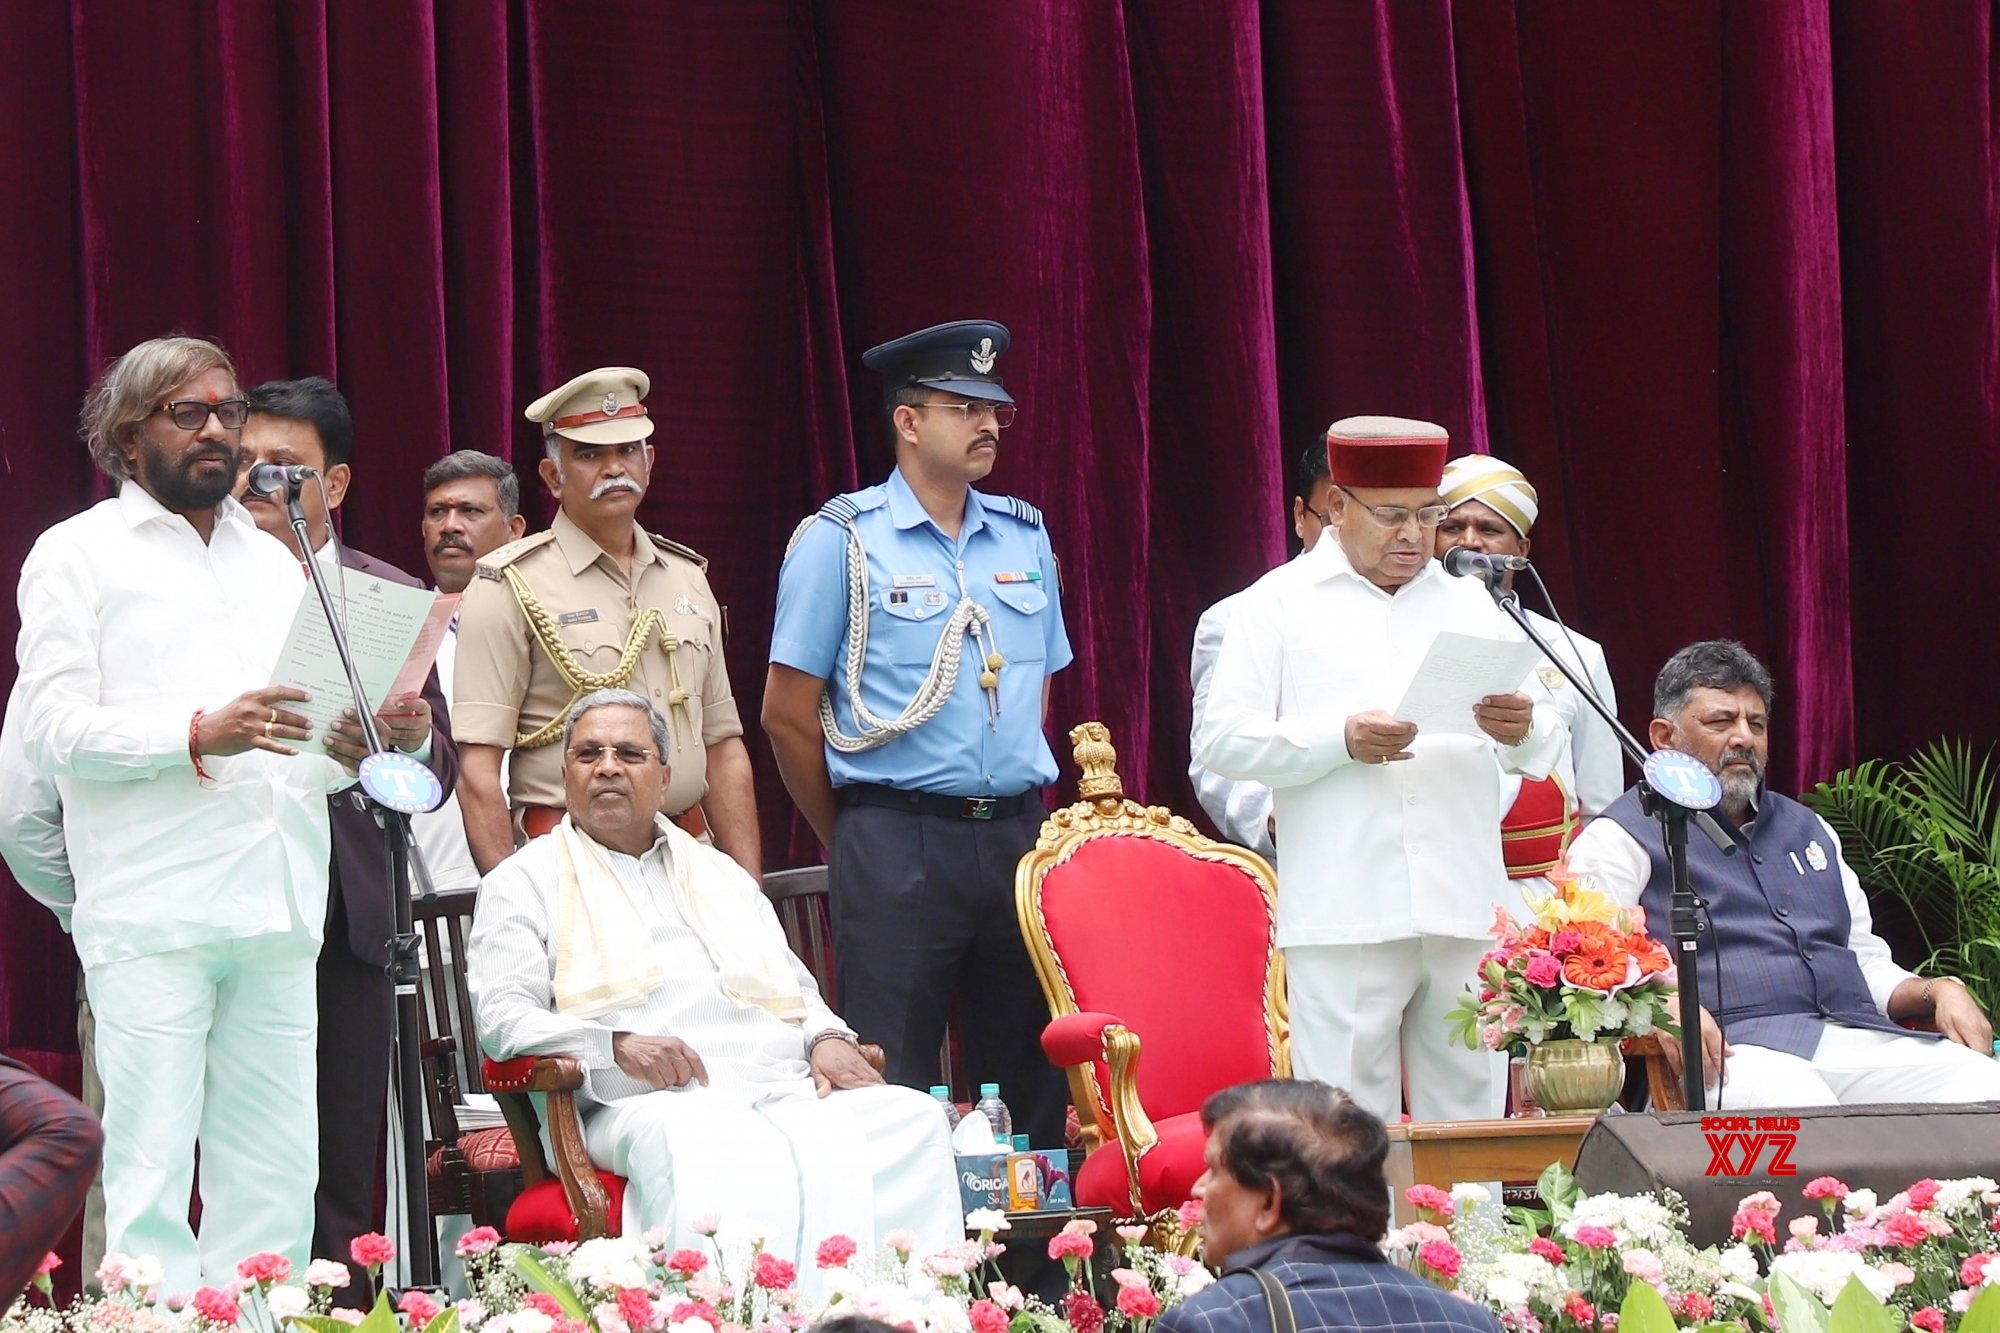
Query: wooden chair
{"points": [[477, 1172], [573, 1200], [1140, 927]]}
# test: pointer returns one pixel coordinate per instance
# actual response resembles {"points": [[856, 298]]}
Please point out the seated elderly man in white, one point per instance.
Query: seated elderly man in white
{"points": [[717, 1080]]}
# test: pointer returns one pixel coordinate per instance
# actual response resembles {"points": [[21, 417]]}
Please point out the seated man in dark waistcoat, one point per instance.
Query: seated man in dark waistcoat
{"points": [[1808, 1005]]}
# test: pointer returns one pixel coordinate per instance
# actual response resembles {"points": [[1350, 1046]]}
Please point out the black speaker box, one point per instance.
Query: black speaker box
{"points": [[1712, 1159]]}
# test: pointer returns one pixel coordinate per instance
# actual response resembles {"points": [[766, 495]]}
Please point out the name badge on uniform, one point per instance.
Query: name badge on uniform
{"points": [[577, 617], [684, 607], [1815, 855], [1032, 576], [916, 580]]}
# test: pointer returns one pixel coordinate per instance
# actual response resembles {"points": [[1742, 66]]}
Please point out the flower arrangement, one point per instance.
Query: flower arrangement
{"points": [[731, 1284], [1922, 1260], [1585, 969]]}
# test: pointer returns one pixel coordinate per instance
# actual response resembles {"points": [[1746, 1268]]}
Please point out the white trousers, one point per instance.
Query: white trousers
{"points": [[800, 1167], [215, 1044], [1362, 1014], [1855, 1065]]}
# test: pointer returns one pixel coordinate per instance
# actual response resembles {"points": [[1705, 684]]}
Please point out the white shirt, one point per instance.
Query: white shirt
{"points": [[1366, 852], [31, 833], [511, 974], [1242, 810], [129, 622], [1592, 770], [440, 835], [1614, 863]]}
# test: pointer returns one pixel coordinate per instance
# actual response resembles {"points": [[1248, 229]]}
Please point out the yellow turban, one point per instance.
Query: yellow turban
{"points": [[1498, 485]]}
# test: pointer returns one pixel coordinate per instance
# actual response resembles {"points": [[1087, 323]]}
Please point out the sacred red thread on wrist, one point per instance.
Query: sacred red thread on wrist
{"points": [[194, 746]]}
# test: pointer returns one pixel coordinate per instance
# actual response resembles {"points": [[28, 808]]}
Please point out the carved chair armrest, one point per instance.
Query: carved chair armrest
{"points": [[558, 1077], [1080, 1039], [535, 1073]]}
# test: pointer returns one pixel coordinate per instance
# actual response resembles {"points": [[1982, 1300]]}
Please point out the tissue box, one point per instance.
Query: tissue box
{"points": [[982, 1180]]}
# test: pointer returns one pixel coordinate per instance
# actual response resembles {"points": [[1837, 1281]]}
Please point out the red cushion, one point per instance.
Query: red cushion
{"points": [[540, 1213], [1166, 1174], [490, 1149], [1133, 919]]}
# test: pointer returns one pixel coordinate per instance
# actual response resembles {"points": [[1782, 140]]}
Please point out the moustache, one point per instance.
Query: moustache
{"points": [[610, 484], [451, 544], [1742, 756]]}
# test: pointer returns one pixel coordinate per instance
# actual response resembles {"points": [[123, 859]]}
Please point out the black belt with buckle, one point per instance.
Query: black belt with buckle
{"points": [[948, 807]]}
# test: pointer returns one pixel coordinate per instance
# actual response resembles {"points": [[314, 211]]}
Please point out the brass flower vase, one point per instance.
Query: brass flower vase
{"points": [[1568, 1076]]}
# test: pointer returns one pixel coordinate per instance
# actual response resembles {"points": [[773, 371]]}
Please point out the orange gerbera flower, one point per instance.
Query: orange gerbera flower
{"points": [[1600, 960], [1536, 937], [1652, 955]]}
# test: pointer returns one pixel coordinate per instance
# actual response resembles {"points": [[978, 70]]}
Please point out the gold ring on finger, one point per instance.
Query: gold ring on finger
{"points": [[267, 728]]}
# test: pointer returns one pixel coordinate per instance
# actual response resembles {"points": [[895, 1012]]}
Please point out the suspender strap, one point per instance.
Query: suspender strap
{"points": [[1277, 1298]]}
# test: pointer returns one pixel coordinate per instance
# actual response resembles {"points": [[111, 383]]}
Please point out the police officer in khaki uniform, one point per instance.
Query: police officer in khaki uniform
{"points": [[595, 602]]}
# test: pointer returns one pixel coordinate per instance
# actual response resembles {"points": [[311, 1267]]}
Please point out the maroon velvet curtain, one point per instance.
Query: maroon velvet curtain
{"points": [[1719, 276]]}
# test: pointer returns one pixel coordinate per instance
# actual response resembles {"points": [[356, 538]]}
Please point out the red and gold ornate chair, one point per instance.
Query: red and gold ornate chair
{"points": [[1144, 931]]}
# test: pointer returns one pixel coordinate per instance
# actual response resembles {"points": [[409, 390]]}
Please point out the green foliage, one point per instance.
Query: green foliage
{"points": [[381, 1319], [1984, 1316], [1643, 1311], [1925, 834], [1799, 1311], [540, 1279], [1859, 1310]]}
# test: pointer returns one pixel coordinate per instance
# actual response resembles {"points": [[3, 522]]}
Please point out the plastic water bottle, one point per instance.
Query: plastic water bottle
{"points": [[943, 1095], [996, 1112]]}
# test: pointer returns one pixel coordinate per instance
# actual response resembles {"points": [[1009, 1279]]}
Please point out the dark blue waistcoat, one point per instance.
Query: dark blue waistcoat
{"points": [[1779, 926]]}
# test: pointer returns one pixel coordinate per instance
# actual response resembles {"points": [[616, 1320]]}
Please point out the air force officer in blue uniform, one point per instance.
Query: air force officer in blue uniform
{"points": [[918, 624]]}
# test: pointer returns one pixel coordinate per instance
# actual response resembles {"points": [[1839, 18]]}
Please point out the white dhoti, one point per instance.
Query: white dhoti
{"points": [[800, 1167], [1362, 1014], [1853, 1066]]}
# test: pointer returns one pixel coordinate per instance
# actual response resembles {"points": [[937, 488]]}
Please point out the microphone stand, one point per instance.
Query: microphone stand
{"points": [[420, 1244], [1674, 819]]}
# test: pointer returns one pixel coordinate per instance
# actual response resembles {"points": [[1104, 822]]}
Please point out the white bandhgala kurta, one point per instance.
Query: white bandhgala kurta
{"points": [[758, 1144], [1388, 874], [198, 909]]}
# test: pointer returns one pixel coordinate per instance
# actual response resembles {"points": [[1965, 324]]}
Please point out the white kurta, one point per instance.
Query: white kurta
{"points": [[1388, 874], [1241, 809], [757, 1144]]}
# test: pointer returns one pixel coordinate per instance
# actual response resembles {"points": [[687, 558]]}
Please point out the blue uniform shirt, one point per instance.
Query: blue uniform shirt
{"points": [[913, 584]]}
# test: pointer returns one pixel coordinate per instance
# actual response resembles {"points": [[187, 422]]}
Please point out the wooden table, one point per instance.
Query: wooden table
{"points": [[1445, 1152]]}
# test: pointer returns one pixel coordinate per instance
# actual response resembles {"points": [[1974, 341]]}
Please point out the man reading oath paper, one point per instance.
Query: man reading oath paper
{"points": [[717, 1080], [1388, 833]]}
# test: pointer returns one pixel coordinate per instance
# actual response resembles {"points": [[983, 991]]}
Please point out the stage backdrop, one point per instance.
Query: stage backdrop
{"points": [[1719, 276]]}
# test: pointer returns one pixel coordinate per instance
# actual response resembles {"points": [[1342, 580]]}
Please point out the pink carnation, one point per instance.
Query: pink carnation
{"points": [[1972, 1272], [1441, 1257], [1189, 1214], [542, 1301], [1905, 1229], [986, 1317], [216, 1306], [265, 1268], [1930, 1319], [1141, 1303], [419, 1306], [834, 1252], [636, 1309], [687, 1262], [1579, 1309], [1596, 1238], [1544, 971], [1923, 1194], [1565, 941], [1082, 1312], [372, 1250], [1070, 1245], [479, 1240], [771, 1272], [1429, 1198], [49, 1264], [1753, 1222], [1548, 1250], [694, 1310], [1825, 1187], [1696, 1307]]}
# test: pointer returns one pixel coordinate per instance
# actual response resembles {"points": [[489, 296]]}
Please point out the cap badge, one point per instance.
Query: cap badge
{"points": [[610, 405], [982, 360]]}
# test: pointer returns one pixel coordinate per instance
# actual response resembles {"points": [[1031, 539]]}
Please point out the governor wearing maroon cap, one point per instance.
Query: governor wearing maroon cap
{"points": [[1388, 840]]}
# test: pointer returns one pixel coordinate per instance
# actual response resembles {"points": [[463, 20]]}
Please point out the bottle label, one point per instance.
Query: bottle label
{"points": [[1024, 1182]]}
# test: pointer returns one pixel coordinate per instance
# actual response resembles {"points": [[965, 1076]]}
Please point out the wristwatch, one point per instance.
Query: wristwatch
{"points": [[831, 1034]]}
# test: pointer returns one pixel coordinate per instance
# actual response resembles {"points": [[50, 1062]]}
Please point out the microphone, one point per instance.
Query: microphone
{"points": [[270, 478], [1464, 562]]}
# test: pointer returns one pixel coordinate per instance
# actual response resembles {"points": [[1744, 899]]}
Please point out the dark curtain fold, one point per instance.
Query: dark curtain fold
{"points": [[1720, 277]]}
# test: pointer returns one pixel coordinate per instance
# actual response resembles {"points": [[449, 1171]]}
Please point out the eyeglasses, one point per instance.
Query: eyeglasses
{"points": [[193, 413], [1325, 519], [630, 756], [1003, 413], [1395, 516]]}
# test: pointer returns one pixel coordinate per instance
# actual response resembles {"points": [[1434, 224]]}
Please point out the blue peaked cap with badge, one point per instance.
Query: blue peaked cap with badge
{"points": [[958, 357]]}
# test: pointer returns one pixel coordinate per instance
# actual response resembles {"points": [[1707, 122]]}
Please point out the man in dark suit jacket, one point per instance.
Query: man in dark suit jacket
{"points": [[306, 421], [1295, 1196]]}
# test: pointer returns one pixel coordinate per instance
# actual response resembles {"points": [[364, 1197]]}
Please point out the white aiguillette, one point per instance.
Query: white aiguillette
{"points": [[1459, 671], [393, 630]]}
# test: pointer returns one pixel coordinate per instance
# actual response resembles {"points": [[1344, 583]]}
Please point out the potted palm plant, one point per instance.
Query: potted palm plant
{"points": [[1924, 834]]}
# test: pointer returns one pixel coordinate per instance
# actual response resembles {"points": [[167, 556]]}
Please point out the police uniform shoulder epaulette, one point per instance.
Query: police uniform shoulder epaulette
{"points": [[675, 548], [1020, 509], [500, 557]]}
